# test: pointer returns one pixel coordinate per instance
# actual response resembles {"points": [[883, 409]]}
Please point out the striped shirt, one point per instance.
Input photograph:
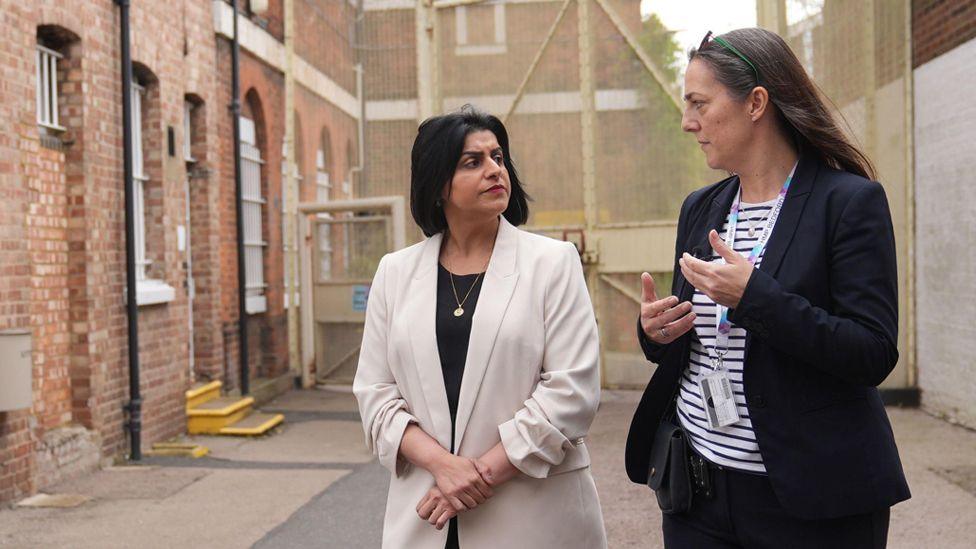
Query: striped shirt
{"points": [[735, 445]]}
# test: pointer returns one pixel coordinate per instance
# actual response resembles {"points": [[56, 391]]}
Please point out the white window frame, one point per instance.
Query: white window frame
{"points": [[252, 207], [148, 291], [139, 183], [464, 47], [47, 88], [188, 132]]}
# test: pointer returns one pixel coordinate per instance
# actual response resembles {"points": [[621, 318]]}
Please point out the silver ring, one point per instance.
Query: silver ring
{"points": [[664, 333]]}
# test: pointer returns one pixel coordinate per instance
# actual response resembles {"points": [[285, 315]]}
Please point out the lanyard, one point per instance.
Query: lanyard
{"points": [[722, 324]]}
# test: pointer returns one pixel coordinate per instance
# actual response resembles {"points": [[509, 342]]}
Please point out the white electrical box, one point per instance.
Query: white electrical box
{"points": [[15, 369]]}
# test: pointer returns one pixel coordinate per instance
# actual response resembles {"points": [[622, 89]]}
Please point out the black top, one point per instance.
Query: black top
{"points": [[453, 332], [821, 321]]}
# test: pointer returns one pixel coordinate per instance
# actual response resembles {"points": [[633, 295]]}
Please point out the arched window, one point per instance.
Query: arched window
{"points": [[47, 87], [54, 57], [252, 196]]}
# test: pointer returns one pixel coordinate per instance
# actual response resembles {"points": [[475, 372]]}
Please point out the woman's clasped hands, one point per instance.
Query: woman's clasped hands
{"points": [[461, 484]]}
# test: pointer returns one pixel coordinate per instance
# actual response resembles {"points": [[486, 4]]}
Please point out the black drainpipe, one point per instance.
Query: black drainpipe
{"points": [[135, 400], [235, 109]]}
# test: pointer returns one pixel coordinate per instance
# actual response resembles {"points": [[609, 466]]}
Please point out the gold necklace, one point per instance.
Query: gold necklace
{"points": [[460, 302]]}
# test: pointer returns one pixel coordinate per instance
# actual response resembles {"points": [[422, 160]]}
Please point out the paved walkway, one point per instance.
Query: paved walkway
{"points": [[312, 484]]}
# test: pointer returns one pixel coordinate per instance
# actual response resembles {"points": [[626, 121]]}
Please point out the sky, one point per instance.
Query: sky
{"points": [[691, 19]]}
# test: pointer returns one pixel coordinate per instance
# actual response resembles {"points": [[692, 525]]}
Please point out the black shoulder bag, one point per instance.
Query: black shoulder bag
{"points": [[669, 475]]}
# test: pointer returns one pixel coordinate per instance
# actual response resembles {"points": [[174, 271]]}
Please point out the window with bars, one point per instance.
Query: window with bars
{"points": [[139, 182], [253, 213], [47, 88], [323, 190]]}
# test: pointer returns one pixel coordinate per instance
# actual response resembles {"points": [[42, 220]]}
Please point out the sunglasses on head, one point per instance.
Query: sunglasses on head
{"points": [[705, 42]]}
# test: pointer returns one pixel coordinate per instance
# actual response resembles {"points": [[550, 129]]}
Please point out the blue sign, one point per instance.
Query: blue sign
{"points": [[360, 294]]}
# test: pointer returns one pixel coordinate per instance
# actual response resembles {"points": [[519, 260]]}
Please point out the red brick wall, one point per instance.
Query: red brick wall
{"points": [[272, 20], [323, 37], [16, 111], [62, 228], [62, 239], [939, 26], [262, 99], [48, 244]]}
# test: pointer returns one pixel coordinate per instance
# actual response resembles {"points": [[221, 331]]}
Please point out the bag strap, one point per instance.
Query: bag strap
{"points": [[671, 412]]}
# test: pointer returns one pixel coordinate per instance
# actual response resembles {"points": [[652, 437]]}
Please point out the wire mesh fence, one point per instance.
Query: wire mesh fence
{"points": [[590, 93]]}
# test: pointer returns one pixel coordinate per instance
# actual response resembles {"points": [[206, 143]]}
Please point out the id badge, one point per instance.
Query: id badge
{"points": [[716, 394]]}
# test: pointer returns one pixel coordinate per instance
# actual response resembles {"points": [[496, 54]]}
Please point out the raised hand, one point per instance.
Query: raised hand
{"points": [[724, 284], [663, 320]]}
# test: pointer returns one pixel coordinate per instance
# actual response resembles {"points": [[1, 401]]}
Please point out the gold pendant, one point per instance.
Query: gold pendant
{"points": [[458, 312]]}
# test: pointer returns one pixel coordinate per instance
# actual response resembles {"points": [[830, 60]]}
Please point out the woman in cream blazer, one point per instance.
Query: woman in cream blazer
{"points": [[519, 475]]}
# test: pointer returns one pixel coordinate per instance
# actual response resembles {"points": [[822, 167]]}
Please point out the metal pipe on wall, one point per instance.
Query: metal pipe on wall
{"points": [[360, 167], [134, 406]]}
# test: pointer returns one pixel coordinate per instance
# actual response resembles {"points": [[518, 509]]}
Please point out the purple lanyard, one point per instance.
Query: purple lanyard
{"points": [[722, 324]]}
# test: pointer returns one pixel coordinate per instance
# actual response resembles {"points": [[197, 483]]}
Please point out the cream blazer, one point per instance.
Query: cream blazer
{"points": [[531, 380]]}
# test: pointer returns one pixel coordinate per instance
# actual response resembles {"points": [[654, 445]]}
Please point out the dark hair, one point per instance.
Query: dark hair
{"points": [[436, 152], [800, 105]]}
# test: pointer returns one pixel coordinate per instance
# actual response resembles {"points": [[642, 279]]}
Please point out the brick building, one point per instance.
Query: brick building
{"points": [[62, 238]]}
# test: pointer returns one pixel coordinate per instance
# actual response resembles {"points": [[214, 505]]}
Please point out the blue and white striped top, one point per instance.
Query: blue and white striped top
{"points": [[733, 446]]}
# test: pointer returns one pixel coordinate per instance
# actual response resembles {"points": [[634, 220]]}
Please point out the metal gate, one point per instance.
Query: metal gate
{"points": [[342, 246]]}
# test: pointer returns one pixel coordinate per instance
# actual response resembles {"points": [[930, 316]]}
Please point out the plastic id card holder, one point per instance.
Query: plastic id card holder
{"points": [[716, 394]]}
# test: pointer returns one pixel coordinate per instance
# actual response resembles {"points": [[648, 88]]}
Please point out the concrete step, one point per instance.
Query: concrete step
{"points": [[201, 393], [213, 415], [255, 424], [266, 389]]}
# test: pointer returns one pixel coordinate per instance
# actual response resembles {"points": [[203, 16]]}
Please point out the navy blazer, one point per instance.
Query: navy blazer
{"points": [[821, 321]]}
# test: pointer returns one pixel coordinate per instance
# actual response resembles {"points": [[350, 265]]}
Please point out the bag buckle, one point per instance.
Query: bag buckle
{"points": [[700, 475]]}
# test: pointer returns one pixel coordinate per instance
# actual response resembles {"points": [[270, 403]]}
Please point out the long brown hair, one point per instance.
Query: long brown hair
{"points": [[800, 105]]}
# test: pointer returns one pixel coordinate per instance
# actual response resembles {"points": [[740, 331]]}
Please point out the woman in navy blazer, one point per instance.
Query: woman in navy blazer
{"points": [[820, 312]]}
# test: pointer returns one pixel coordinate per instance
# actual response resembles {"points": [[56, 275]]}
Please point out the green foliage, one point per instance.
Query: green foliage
{"points": [[678, 164], [660, 45]]}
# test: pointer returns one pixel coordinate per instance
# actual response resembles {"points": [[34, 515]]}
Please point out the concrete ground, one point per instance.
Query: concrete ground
{"points": [[312, 484]]}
